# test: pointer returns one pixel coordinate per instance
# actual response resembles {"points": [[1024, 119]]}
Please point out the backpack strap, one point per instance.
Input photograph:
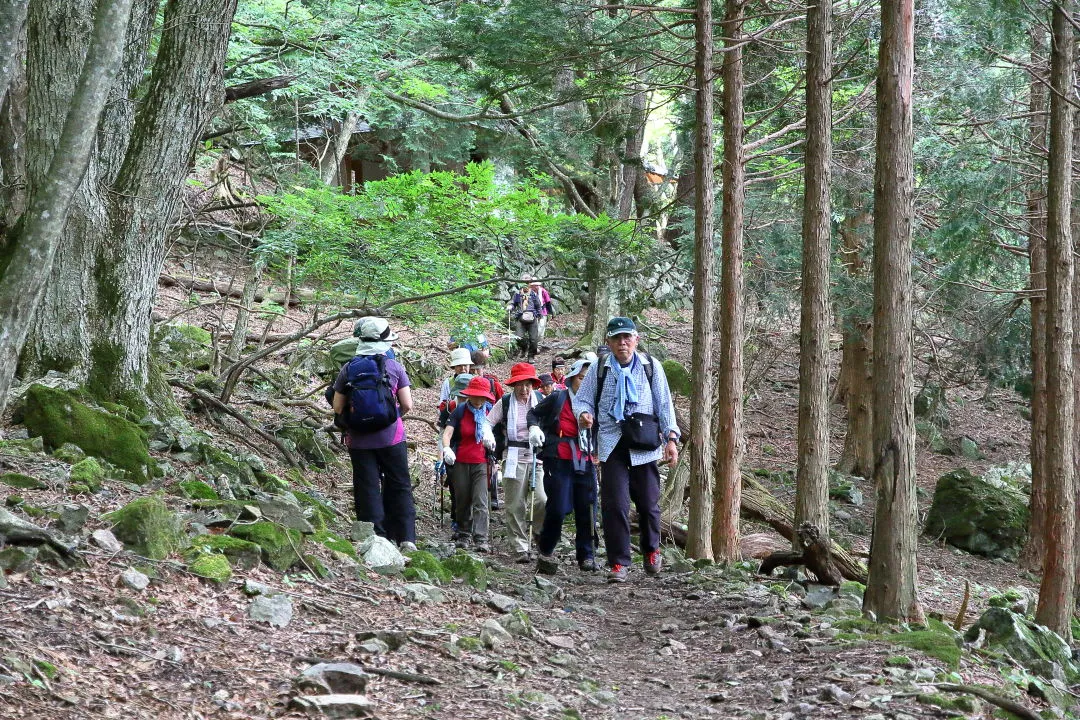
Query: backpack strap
{"points": [[603, 374]]}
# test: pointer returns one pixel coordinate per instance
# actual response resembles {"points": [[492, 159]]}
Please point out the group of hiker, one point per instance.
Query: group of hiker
{"points": [[532, 450]]}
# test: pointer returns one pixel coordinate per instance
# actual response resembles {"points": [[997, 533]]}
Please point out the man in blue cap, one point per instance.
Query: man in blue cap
{"points": [[627, 399]]}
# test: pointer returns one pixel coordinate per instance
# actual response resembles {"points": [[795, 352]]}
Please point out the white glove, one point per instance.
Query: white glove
{"points": [[536, 436], [488, 440], [448, 456]]}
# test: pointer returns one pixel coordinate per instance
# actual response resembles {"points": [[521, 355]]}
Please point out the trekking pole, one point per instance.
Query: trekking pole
{"points": [[532, 489], [585, 447], [439, 489]]}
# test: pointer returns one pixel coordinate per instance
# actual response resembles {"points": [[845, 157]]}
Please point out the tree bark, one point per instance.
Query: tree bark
{"points": [[13, 147], [812, 475], [35, 248], [1032, 555], [702, 411], [243, 313], [339, 145], [1056, 590], [728, 478], [12, 19], [117, 238], [891, 591], [854, 386]]}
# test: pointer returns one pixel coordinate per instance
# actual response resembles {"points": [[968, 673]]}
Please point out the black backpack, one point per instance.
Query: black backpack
{"points": [[371, 403]]}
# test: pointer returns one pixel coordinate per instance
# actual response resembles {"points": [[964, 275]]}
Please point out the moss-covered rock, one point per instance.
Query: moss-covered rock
{"points": [[677, 376], [241, 553], [937, 640], [212, 567], [17, 558], [1033, 646], [217, 462], [23, 482], [468, 567], [977, 516], [69, 453], [280, 547], [22, 448], [208, 382], [308, 444], [184, 346], [148, 527], [59, 416], [336, 543], [322, 514], [197, 490], [426, 567], [88, 473]]}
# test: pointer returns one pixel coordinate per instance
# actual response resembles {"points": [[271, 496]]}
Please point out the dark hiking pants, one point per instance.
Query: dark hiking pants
{"points": [[382, 491], [621, 483], [568, 491]]}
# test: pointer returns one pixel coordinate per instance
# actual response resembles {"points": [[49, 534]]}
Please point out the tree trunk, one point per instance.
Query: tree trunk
{"points": [[243, 313], [702, 411], [1056, 591], [95, 322], [728, 479], [854, 386], [13, 148], [338, 146], [35, 247], [812, 476], [1032, 555], [12, 17], [891, 591]]}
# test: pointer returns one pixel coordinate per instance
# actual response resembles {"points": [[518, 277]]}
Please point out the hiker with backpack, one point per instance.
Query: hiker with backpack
{"points": [[461, 382], [480, 358], [558, 372], [520, 473], [547, 310], [525, 308], [569, 475], [627, 400], [467, 438], [371, 394]]}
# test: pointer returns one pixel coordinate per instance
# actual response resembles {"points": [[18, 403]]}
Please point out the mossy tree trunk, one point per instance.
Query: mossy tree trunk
{"points": [[854, 386], [34, 248], [95, 319]]}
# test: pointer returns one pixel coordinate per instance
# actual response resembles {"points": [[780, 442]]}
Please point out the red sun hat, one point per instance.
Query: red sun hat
{"points": [[521, 372], [479, 387]]}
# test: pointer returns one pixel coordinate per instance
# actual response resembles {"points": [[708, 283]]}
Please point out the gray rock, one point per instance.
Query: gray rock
{"points": [[970, 449], [502, 603], [335, 706], [494, 635], [394, 639], [286, 513], [134, 579], [546, 586], [361, 531], [818, 596], [252, 588], [603, 697], [1033, 646], [72, 519], [334, 678], [420, 593], [836, 694], [17, 558], [374, 646], [382, 556], [516, 623], [978, 516], [105, 540], [277, 610]]}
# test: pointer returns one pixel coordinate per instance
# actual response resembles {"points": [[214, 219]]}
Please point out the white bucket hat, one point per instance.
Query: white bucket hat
{"points": [[374, 336], [579, 367], [460, 356]]}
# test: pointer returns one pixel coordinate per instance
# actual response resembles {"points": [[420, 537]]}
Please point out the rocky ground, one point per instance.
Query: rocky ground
{"points": [[462, 636]]}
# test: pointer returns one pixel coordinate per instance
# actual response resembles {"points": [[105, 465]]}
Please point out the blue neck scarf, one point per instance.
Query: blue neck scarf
{"points": [[625, 390], [479, 418]]}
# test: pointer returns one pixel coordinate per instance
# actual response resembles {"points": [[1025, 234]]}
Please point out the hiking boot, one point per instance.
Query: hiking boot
{"points": [[587, 565], [407, 547], [523, 557], [547, 564], [482, 546], [653, 562], [618, 573], [462, 540]]}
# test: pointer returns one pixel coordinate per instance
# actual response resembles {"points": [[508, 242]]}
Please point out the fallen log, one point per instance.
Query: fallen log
{"points": [[815, 557], [759, 505]]}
